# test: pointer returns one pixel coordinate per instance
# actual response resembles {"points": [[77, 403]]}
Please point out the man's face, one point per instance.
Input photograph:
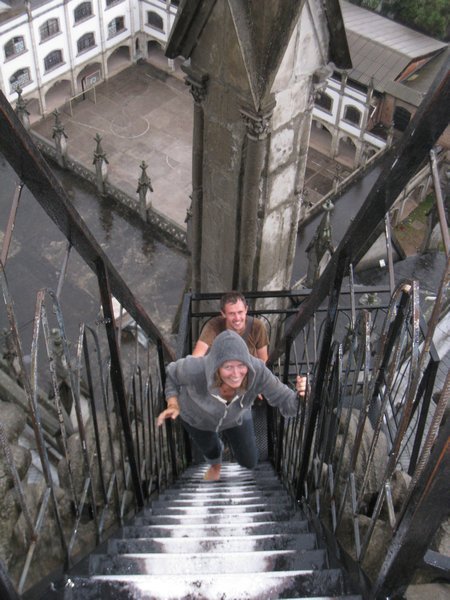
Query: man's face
{"points": [[235, 316]]}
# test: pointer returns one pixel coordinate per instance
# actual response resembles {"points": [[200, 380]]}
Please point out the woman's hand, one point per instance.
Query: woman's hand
{"points": [[172, 411], [300, 385]]}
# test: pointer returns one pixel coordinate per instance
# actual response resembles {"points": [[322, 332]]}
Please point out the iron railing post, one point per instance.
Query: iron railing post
{"points": [[426, 510], [117, 379], [316, 393]]}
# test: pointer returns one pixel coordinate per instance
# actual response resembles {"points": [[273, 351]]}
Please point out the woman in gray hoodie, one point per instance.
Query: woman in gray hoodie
{"points": [[214, 394]]}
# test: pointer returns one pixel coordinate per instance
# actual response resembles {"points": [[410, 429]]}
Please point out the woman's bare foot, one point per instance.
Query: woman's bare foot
{"points": [[213, 473]]}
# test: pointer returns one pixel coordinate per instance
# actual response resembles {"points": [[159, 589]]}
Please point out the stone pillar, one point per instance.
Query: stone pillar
{"points": [[60, 137], [101, 169], [361, 153], [257, 128], [21, 109], [197, 86], [336, 136], [144, 184], [390, 135]]}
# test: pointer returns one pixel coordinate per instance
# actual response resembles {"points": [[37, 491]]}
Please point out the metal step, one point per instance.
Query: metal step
{"points": [[203, 563], [278, 541], [217, 586], [238, 538], [208, 530], [217, 518]]}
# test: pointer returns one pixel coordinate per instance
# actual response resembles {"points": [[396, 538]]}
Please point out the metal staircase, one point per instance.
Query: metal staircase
{"points": [[241, 537]]}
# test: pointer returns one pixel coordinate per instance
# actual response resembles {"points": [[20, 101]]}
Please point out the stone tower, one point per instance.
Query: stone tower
{"points": [[252, 67]]}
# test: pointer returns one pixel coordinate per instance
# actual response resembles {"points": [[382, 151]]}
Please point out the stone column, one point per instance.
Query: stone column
{"points": [[336, 136], [100, 162], [360, 159], [258, 127], [144, 184], [21, 109], [60, 137], [197, 86]]}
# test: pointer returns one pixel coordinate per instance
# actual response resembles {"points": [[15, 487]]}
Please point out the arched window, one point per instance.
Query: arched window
{"points": [[53, 59], [20, 78], [82, 11], [116, 26], [352, 114], [48, 29], [155, 20], [16, 45], [85, 42], [324, 101], [402, 117]]}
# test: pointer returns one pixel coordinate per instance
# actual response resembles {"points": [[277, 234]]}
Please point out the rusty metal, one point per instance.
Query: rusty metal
{"points": [[11, 222], [418, 523], [387, 233], [63, 272], [439, 202], [31, 393], [117, 379]]}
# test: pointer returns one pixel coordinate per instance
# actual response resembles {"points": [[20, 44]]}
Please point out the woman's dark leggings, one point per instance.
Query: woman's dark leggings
{"points": [[240, 438]]}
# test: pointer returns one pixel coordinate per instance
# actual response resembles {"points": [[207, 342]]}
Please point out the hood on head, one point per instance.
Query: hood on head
{"points": [[228, 345]]}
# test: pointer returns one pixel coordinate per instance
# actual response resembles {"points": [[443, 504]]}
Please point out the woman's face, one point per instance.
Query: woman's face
{"points": [[233, 372]]}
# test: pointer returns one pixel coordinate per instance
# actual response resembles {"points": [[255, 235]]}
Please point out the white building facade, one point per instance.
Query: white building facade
{"points": [[59, 49]]}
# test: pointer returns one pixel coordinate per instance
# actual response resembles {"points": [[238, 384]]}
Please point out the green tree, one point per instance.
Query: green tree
{"points": [[429, 16]]}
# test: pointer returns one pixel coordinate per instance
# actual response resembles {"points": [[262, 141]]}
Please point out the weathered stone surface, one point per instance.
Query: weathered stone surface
{"points": [[77, 463], [9, 513], [13, 420], [22, 460], [378, 464], [378, 542], [254, 117]]}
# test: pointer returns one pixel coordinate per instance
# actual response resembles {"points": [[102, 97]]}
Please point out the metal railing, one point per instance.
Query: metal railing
{"points": [[80, 452]]}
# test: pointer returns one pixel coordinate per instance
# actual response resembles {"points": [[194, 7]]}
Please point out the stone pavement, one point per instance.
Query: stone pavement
{"points": [[141, 114]]}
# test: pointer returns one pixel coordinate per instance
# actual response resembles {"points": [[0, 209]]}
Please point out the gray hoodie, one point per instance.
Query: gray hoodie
{"points": [[191, 380]]}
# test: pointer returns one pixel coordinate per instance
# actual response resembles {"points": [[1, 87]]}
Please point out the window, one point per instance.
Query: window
{"points": [[20, 78], [53, 59], [48, 29], [352, 114], [16, 45], [402, 118], [116, 26], [111, 2], [155, 20], [82, 11], [324, 101], [85, 42]]}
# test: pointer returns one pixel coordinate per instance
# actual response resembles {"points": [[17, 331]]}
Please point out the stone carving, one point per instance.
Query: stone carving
{"points": [[197, 88], [257, 124]]}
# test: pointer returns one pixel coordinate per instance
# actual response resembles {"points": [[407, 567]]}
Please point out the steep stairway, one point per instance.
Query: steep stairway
{"points": [[237, 538]]}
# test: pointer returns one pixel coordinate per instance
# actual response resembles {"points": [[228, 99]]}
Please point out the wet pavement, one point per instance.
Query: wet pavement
{"points": [[154, 271]]}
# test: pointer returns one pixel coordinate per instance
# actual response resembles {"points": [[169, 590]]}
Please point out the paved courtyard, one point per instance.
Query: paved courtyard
{"points": [[142, 114], [145, 113]]}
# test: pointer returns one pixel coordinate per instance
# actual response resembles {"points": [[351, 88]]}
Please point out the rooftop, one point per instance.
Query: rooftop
{"points": [[382, 49]]}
